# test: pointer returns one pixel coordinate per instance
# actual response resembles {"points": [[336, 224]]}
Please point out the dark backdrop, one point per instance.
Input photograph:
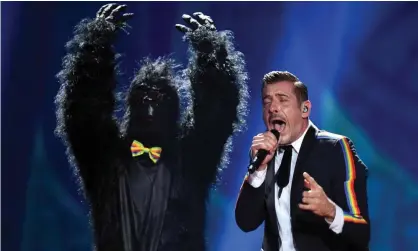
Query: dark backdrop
{"points": [[360, 61]]}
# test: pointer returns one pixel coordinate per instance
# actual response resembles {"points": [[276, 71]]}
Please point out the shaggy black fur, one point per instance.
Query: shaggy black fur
{"points": [[196, 141]]}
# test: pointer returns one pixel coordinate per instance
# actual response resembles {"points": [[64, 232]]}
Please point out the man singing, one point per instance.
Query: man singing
{"points": [[310, 190]]}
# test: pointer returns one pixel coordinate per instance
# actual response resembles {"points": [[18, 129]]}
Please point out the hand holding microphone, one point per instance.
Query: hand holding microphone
{"points": [[263, 148]]}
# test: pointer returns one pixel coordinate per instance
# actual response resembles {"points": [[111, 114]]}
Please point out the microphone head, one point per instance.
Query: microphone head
{"points": [[276, 133]]}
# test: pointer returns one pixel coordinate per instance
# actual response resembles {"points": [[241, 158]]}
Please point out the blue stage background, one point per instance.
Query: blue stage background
{"points": [[359, 60]]}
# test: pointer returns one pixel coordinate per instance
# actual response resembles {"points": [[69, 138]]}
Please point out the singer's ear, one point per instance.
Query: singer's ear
{"points": [[306, 109]]}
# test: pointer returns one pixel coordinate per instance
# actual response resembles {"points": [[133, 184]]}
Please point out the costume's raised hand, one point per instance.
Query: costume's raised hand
{"points": [[197, 29], [200, 20], [316, 200], [114, 13]]}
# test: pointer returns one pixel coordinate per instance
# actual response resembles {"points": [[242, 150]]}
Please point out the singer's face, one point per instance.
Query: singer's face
{"points": [[282, 111]]}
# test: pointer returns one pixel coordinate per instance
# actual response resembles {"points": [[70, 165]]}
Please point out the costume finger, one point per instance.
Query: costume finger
{"points": [[203, 19], [200, 18], [126, 16], [206, 17], [108, 9], [188, 19], [99, 13], [212, 27], [183, 28], [118, 9]]}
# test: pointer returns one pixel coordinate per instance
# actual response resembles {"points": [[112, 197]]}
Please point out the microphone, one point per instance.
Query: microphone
{"points": [[261, 155]]}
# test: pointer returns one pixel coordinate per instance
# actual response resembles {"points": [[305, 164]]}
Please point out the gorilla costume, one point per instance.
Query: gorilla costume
{"points": [[147, 179]]}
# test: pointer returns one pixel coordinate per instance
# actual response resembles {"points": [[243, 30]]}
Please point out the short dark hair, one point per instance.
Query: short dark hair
{"points": [[301, 90]]}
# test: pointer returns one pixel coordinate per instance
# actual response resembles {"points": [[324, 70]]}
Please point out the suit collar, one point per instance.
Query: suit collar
{"points": [[298, 143], [307, 142], [305, 150]]}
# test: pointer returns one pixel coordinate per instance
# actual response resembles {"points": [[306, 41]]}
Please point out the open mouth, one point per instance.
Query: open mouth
{"points": [[278, 124]]}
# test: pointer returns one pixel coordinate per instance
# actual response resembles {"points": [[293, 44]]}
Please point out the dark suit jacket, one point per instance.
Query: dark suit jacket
{"points": [[332, 161]]}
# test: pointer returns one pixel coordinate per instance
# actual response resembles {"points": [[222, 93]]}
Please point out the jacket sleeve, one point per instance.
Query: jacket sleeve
{"points": [[350, 193], [250, 209]]}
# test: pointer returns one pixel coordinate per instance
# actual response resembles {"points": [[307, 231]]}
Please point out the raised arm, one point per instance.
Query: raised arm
{"points": [[85, 101], [218, 80]]}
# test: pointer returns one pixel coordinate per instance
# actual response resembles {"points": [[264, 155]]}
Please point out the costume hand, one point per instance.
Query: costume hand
{"points": [[199, 32], [266, 141], [201, 21], [113, 13], [316, 200]]}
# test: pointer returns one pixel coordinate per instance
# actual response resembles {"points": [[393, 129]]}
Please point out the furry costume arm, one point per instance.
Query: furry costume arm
{"points": [[218, 80], [85, 101]]}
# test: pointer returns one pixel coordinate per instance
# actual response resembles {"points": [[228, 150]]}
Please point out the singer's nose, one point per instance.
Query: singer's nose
{"points": [[274, 107]]}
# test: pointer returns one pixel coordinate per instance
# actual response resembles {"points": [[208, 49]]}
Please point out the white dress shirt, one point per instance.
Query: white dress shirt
{"points": [[282, 204]]}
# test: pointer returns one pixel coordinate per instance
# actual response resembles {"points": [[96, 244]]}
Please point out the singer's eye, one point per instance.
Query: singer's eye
{"points": [[266, 101]]}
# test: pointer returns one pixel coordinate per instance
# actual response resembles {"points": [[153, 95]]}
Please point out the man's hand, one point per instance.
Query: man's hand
{"points": [[113, 13], [316, 200], [266, 141]]}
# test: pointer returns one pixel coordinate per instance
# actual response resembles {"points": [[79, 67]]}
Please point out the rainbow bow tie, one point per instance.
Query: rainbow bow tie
{"points": [[137, 148]]}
